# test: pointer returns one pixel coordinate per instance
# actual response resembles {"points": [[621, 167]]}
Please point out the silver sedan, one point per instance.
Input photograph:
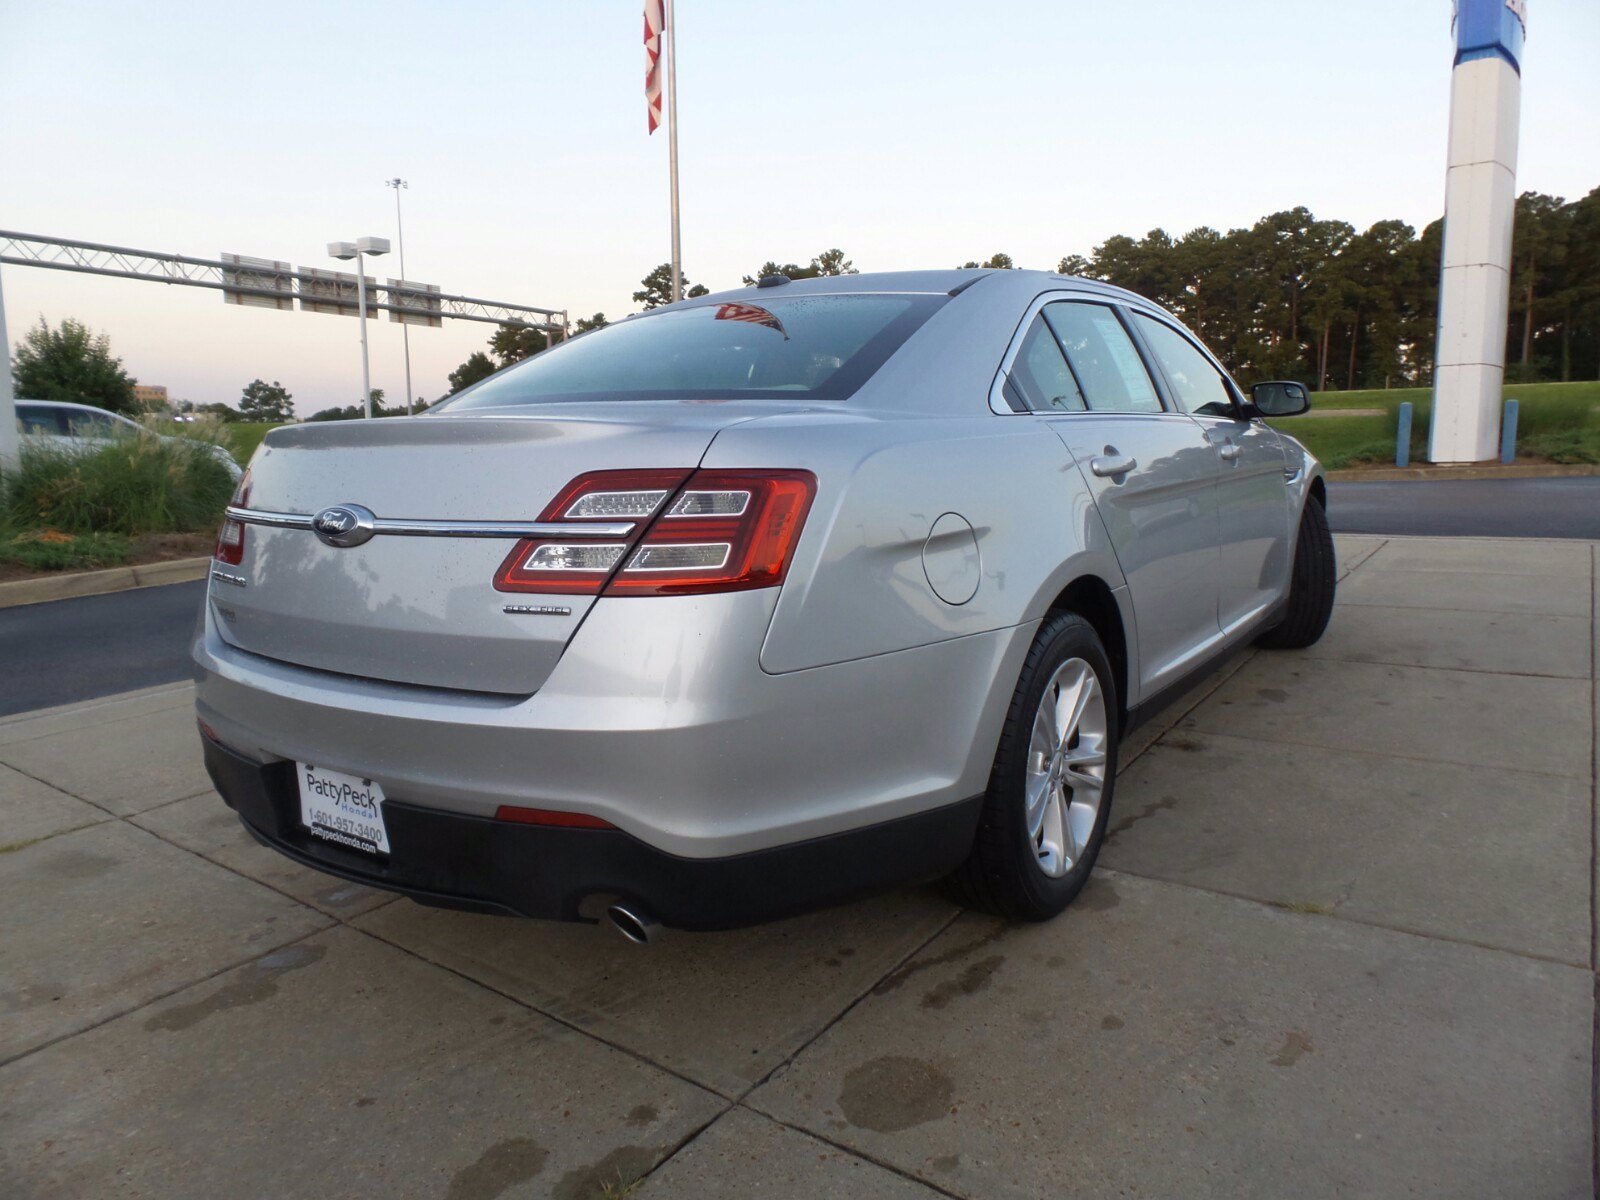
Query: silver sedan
{"points": [[755, 603]]}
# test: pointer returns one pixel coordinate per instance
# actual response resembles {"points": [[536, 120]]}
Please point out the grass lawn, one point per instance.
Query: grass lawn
{"points": [[1559, 422]]}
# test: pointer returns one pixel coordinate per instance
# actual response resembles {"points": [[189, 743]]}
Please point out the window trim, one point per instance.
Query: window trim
{"points": [[1234, 392], [997, 400]]}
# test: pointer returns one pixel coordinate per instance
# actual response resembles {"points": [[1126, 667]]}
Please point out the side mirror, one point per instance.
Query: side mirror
{"points": [[1280, 398]]}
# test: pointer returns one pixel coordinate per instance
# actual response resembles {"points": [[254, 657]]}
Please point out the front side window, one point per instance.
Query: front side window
{"points": [[1040, 375], [804, 347], [1198, 387], [1107, 366]]}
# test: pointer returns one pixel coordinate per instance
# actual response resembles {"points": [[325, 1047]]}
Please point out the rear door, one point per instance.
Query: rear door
{"points": [[1257, 553], [1152, 474]]}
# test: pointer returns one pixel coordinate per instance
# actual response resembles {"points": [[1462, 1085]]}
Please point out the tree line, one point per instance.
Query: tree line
{"points": [[1300, 297], [1297, 296]]}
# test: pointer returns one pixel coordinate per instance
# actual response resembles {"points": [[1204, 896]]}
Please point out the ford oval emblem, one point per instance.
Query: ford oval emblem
{"points": [[344, 525]]}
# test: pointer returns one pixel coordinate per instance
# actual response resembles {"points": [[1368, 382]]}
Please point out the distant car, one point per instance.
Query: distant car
{"points": [[82, 427], [755, 602]]}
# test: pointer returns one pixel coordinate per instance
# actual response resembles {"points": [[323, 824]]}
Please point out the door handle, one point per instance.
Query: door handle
{"points": [[1109, 465], [1228, 453]]}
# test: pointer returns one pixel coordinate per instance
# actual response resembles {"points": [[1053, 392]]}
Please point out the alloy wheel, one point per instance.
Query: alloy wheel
{"points": [[1066, 768]]}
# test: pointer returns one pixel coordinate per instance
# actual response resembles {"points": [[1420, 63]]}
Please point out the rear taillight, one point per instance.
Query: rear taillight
{"points": [[230, 538], [712, 531]]}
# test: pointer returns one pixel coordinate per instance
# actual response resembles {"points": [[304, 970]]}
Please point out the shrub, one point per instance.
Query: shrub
{"points": [[128, 486]]}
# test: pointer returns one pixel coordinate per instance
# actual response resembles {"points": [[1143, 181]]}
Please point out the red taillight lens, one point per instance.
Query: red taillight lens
{"points": [[581, 563], [230, 538], [726, 531], [712, 531]]}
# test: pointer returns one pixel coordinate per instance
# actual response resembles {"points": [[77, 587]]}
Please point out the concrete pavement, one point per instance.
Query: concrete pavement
{"points": [[1341, 943]]}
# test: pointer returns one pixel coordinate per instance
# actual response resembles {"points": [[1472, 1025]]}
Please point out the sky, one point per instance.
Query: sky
{"points": [[910, 133]]}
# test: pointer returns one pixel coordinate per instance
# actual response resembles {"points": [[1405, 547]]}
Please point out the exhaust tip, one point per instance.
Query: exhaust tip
{"points": [[635, 924]]}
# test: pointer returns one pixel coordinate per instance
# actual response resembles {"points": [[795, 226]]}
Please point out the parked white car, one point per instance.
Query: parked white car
{"points": [[82, 427]]}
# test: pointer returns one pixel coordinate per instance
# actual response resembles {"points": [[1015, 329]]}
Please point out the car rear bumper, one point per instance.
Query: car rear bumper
{"points": [[457, 860], [658, 720]]}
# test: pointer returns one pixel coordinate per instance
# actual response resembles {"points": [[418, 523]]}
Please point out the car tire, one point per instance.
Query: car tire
{"points": [[1311, 586], [1008, 872]]}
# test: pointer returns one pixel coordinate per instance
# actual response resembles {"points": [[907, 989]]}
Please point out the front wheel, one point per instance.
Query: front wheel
{"points": [[1311, 585], [1044, 815]]}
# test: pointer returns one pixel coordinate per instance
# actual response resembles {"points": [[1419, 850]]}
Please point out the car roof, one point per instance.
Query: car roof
{"points": [[69, 404], [926, 283]]}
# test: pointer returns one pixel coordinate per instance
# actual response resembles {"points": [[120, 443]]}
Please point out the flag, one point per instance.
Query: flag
{"points": [[654, 20], [752, 314]]}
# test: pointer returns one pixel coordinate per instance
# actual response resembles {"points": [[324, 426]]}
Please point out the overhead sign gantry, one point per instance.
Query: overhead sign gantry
{"points": [[252, 282]]}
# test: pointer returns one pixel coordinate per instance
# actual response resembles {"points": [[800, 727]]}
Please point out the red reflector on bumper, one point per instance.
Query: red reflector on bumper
{"points": [[549, 816]]}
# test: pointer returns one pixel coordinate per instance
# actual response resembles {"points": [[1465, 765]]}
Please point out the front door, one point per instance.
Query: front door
{"points": [[1257, 534]]}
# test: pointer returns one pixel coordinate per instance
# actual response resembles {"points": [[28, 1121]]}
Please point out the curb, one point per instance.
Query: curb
{"points": [[96, 583], [1494, 471]]}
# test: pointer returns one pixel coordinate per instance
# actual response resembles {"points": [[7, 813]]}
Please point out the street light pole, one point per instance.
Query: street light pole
{"points": [[400, 236], [361, 306], [357, 250], [10, 439]]}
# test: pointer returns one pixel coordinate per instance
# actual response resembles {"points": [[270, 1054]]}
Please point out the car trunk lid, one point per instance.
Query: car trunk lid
{"points": [[423, 610]]}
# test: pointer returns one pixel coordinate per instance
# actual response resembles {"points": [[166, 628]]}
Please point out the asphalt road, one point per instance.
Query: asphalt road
{"points": [[72, 650], [1543, 508]]}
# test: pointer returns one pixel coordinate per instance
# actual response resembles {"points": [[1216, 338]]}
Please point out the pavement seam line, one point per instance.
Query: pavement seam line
{"points": [[1363, 922], [1199, 696], [550, 1016], [856, 1152], [23, 717], [1357, 602], [58, 788], [1383, 662], [684, 1143], [851, 1006], [166, 995], [1430, 762], [73, 707]]}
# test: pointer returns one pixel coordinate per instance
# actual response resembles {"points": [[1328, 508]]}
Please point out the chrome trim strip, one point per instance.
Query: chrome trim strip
{"points": [[278, 520], [403, 527]]}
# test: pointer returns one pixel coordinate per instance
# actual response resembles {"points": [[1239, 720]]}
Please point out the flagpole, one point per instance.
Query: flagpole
{"points": [[670, 50]]}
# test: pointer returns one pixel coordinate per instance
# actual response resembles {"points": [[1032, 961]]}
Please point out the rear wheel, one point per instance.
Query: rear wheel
{"points": [[1311, 585], [1049, 796]]}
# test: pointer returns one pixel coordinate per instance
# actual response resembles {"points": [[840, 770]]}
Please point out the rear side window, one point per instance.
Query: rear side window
{"points": [[1040, 376], [805, 347], [39, 418], [1198, 387], [1108, 368]]}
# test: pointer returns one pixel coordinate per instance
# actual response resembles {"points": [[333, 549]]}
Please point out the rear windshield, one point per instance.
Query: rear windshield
{"points": [[807, 347]]}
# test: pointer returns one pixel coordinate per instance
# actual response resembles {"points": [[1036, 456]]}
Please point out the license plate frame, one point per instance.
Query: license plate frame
{"points": [[341, 808]]}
